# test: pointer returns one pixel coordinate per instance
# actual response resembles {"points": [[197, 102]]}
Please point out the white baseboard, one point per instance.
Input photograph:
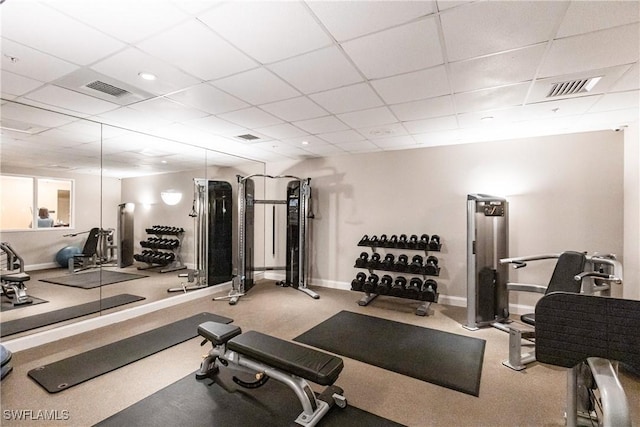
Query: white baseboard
{"points": [[43, 266]]}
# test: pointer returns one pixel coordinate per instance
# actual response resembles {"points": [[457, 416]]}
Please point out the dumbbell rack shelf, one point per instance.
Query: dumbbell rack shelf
{"points": [[400, 270], [163, 250]]}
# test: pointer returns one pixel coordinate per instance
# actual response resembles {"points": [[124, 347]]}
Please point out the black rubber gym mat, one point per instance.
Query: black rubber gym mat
{"points": [[74, 370], [37, 321], [93, 279], [192, 403], [442, 358], [7, 303]]}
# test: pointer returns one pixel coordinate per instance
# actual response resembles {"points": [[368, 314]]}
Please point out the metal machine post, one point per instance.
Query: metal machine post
{"points": [[124, 244], [487, 243]]}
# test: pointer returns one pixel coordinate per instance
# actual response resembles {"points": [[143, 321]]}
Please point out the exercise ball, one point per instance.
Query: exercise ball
{"points": [[65, 254]]}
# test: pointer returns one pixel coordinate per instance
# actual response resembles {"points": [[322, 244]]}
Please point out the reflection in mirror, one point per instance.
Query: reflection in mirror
{"points": [[114, 241]]}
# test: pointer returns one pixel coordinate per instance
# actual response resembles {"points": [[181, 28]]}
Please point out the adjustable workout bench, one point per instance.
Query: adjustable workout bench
{"points": [[13, 279], [270, 357]]}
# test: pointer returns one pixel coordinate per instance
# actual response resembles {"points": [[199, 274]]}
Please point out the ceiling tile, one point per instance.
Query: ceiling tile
{"points": [[257, 86], [17, 85], [207, 98], [131, 119], [487, 99], [484, 27], [592, 51], [54, 33], [281, 131], [123, 19], [341, 136], [431, 125], [251, 118], [32, 63], [196, 6], [385, 131], [169, 78], [396, 142], [359, 147], [267, 31], [371, 117], [321, 125], [217, 126], [195, 49], [349, 19], [424, 109], [556, 108], [413, 86], [514, 66], [399, 50], [72, 101], [630, 80], [350, 98], [167, 109], [586, 16], [617, 101], [41, 118], [325, 150], [290, 110], [317, 71]]}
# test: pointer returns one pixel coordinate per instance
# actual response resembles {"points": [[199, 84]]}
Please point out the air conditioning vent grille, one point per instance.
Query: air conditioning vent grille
{"points": [[573, 87], [107, 88], [248, 137]]}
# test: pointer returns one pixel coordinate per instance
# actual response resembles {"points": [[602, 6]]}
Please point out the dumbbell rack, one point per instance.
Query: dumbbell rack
{"points": [[161, 251], [416, 269]]}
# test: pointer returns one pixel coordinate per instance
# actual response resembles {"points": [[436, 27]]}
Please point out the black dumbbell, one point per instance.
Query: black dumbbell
{"points": [[393, 241], [412, 243], [371, 283], [356, 284], [389, 261], [384, 287], [435, 243], [373, 241], [374, 261], [398, 286], [423, 243], [431, 266], [363, 260], [383, 241], [416, 264], [413, 288], [364, 241], [429, 290], [402, 241], [402, 264]]}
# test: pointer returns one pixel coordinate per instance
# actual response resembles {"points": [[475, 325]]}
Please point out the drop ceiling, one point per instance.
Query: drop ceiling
{"points": [[311, 79]]}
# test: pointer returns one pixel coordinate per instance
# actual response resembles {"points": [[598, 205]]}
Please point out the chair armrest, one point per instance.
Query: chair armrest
{"points": [[525, 287]]}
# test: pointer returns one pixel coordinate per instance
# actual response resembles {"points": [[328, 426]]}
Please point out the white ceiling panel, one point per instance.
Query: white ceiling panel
{"points": [[413, 86], [485, 27], [424, 109], [488, 99], [198, 51], [48, 30], [384, 131], [371, 117], [350, 98], [168, 109], [617, 101], [560, 108], [630, 79], [341, 136], [169, 78], [122, 18], [514, 66], [399, 50], [290, 110], [282, 131], [132, 119], [359, 147], [217, 126], [396, 142], [431, 125], [586, 16], [31, 63], [592, 51], [325, 150], [317, 71], [258, 86], [347, 20], [251, 118], [38, 117], [73, 101], [207, 98], [321, 125], [16, 84], [267, 31]]}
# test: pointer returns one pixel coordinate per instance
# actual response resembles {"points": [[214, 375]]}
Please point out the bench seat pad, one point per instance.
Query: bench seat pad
{"points": [[313, 365]]}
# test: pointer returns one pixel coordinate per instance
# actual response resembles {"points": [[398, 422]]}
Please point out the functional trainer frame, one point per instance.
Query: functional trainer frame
{"points": [[298, 214]]}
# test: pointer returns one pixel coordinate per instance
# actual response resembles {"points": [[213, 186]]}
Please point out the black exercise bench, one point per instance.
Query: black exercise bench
{"points": [[270, 357]]}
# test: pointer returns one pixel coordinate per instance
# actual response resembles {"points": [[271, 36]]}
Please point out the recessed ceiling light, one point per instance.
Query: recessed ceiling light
{"points": [[147, 76], [305, 142]]}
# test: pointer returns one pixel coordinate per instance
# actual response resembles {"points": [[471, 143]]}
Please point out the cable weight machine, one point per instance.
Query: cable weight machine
{"points": [[298, 214]]}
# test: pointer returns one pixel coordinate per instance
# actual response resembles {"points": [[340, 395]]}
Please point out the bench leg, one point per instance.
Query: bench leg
{"points": [[518, 361]]}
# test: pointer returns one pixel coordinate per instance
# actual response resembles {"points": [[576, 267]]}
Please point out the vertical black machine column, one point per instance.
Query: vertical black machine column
{"points": [[125, 235], [292, 277], [220, 261], [487, 243], [246, 196]]}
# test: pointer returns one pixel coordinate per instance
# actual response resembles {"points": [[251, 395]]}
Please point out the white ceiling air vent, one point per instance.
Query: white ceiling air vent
{"points": [[107, 88], [573, 87], [248, 137]]}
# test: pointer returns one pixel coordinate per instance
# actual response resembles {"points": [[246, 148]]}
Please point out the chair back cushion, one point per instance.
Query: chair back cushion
{"points": [[569, 264]]}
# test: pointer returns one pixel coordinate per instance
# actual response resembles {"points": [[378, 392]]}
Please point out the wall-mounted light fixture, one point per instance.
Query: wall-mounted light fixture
{"points": [[171, 197]]}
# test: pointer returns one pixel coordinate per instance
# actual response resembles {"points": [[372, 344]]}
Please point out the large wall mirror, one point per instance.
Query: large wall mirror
{"points": [[103, 218]]}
